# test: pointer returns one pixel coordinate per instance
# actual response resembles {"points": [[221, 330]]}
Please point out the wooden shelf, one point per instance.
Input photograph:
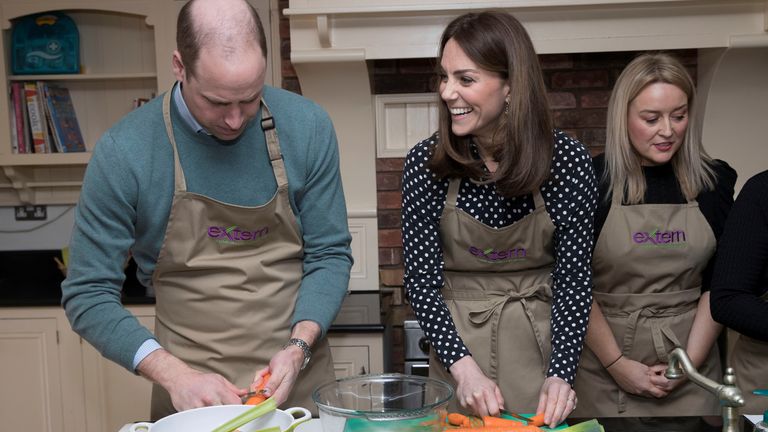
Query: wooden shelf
{"points": [[83, 77], [120, 44], [38, 159]]}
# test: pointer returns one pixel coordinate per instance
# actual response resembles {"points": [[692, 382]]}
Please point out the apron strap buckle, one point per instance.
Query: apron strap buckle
{"points": [[267, 123]]}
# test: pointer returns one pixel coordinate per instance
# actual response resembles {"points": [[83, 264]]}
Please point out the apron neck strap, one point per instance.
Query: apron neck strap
{"points": [[180, 182], [273, 145], [267, 125], [453, 192]]}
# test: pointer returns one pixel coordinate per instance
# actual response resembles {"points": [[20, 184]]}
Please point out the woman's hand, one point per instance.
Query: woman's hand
{"points": [[474, 390], [659, 380], [556, 400], [636, 378]]}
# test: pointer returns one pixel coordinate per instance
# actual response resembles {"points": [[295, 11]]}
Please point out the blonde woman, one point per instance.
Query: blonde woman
{"points": [[662, 205]]}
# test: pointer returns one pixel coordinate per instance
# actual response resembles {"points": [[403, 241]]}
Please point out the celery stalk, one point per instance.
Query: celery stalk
{"points": [[257, 411], [587, 426]]}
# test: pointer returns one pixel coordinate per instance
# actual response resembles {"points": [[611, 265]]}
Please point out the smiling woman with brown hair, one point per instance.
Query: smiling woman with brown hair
{"points": [[497, 227]]}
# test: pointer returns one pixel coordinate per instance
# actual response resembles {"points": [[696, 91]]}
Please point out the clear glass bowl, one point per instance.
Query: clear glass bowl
{"points": [[384, 402]]}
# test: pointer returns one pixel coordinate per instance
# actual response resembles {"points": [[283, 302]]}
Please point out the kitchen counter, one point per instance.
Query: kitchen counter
{"points": [[697, 424]]}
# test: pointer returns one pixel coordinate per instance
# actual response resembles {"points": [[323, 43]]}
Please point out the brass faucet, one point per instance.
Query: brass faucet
{"points": [[729, 395]]}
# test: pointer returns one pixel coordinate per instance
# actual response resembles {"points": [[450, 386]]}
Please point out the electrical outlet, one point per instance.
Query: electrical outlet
{"points": [[28, 213]]}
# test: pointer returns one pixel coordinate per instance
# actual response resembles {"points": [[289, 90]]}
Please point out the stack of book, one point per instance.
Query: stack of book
{"points": [[43, 119]]}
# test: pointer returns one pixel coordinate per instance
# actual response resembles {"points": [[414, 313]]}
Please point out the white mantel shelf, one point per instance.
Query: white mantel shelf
{"points": [[376, 29], [332, 41]]}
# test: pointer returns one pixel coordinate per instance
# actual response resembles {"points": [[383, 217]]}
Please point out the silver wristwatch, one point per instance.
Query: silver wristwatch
{"points": [[304, 348]]}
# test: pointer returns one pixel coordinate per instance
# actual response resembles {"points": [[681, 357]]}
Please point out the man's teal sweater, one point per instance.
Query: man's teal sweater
{"points": [[126, 199]]}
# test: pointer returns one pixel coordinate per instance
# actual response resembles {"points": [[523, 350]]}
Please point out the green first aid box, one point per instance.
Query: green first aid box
{"points": [[46, 43]]}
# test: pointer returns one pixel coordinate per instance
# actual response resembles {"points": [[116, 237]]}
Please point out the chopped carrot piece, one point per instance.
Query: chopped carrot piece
{"points": [[537, 420], [456, 419]]}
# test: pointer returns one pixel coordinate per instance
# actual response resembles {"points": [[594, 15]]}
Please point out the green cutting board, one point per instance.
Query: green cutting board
{"points": [[411, 425], [562, 425]]}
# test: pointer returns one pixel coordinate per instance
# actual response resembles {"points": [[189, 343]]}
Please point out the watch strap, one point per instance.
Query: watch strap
{"points": [[304, 348]]}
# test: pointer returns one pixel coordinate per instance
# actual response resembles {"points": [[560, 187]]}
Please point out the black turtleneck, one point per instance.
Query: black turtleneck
{"points": [[741, 270], [662, 187]]}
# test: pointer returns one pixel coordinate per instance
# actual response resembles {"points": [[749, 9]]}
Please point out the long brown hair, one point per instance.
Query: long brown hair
{"points": [[691, 163], [523, 142]]}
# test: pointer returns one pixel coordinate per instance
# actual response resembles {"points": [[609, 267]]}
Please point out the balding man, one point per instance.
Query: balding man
{"points": [[242, 237]]}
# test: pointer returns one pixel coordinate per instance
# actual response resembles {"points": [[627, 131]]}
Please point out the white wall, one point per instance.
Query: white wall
{"points": [[52, 233], [737, 107]]}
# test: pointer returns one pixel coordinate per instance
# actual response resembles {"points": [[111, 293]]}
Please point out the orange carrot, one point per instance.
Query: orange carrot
{"points": [[501, 422], [537, 420], [456, 419], [521, 428], [259, 396]]}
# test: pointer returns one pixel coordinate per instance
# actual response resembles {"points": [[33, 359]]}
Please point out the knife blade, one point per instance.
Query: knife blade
{"points": [[251, 394], [515, 415]]}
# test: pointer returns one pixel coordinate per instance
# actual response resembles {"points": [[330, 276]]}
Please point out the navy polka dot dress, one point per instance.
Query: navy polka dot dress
{"points": [[569, 197]]}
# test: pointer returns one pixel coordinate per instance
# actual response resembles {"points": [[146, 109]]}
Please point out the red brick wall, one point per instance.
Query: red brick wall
{"points": [[579, 86]]}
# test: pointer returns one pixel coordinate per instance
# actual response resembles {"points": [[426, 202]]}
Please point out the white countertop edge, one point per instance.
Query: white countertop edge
{"points": [[309, 426]]}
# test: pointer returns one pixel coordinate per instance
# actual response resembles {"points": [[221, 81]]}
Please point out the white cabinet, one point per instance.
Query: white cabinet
{"points": [[32, 398], [357, 353], [41, 373], [113, 395], [53, 381]]}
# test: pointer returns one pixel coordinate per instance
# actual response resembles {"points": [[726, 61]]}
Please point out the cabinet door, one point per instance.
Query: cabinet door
{"points": [[356, 353], [115, 396], [350, 361], [31, 396]]}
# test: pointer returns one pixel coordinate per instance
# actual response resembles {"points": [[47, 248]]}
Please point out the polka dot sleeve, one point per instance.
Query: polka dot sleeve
{"points": [[569, 198]]}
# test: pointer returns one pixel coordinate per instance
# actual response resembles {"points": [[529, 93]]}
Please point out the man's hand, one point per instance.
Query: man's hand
{"points": [[284, 368], [475, 390], [285, 365], [189, 388]]}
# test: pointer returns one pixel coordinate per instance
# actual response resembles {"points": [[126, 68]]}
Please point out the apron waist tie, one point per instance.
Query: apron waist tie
{"points": [[492, 312], [658, 332]]}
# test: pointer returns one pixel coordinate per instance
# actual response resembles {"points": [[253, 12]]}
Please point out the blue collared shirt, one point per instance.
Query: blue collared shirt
{"points": [[184, 112]]}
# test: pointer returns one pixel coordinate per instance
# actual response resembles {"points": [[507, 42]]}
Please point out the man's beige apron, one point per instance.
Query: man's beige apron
{"points": [[647, 267], [226, 282], [498, 290], [749, 358]]}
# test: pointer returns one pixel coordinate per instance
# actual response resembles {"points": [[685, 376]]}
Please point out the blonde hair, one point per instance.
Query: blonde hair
{"points": [[691, 163]]}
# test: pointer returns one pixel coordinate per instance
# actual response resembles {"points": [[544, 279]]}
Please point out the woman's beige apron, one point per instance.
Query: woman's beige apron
{"points": [[749, 358], [226, 282], [647, 280], [498, 290]]}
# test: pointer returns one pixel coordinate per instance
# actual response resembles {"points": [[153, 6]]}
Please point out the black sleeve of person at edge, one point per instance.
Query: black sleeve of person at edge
{"points": [[741, 268], [663, 188]]}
